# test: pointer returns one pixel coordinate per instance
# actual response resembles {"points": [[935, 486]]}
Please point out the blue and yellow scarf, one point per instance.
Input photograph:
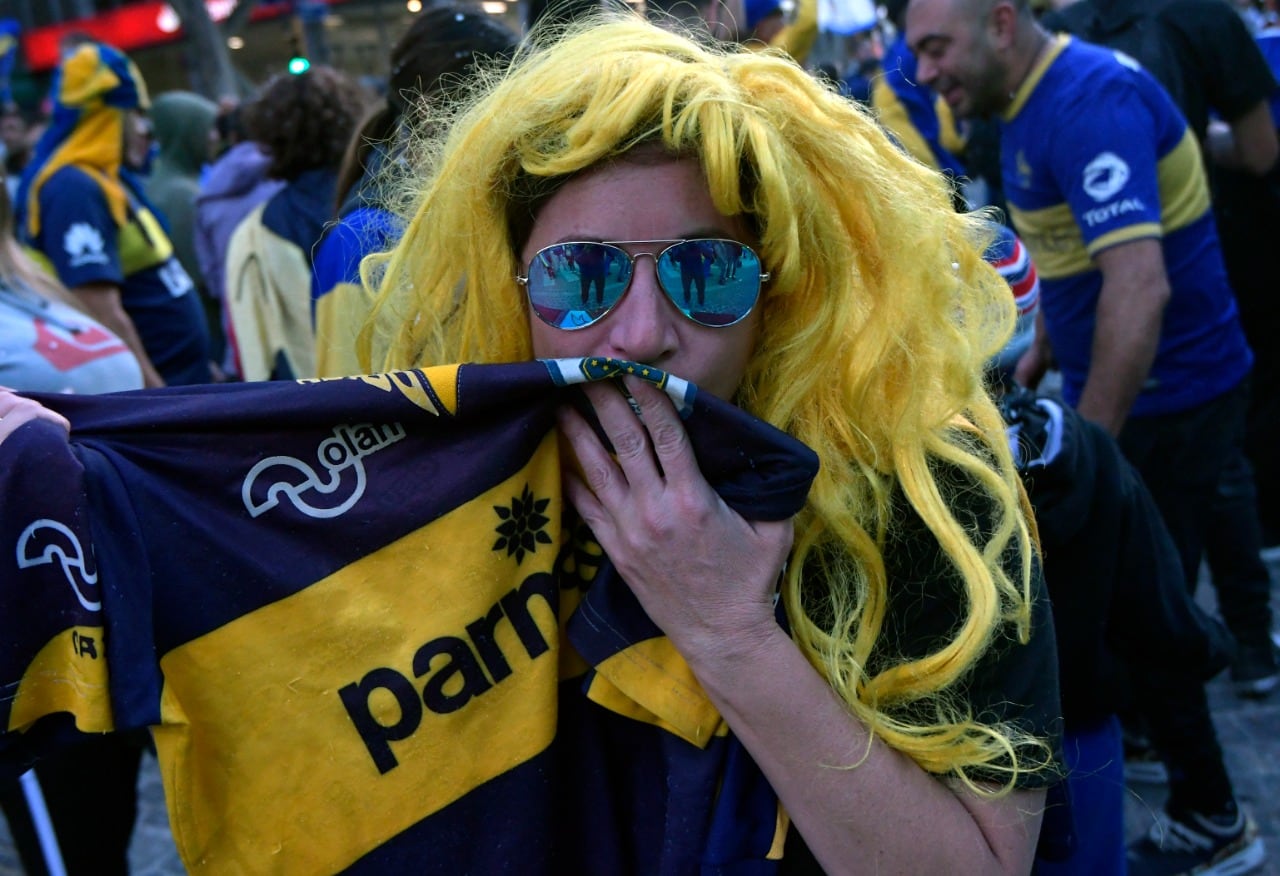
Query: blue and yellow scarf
{"points": [[92, 90]]}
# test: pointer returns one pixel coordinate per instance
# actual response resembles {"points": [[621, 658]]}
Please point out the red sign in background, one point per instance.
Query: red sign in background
{"points": [[133, 27]]}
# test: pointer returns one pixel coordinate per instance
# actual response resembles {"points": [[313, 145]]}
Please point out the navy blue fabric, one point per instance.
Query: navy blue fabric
{"points": [[154, 486]]}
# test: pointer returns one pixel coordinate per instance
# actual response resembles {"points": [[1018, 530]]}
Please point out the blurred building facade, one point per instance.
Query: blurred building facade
{"points": [[353, 35]]}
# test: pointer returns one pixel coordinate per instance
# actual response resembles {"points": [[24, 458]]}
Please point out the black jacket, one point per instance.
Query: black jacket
{"points": [[1111, 568]]}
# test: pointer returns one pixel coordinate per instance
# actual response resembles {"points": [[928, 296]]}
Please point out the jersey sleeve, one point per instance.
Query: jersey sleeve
{"points": [[78, 233], [1108, 169]]}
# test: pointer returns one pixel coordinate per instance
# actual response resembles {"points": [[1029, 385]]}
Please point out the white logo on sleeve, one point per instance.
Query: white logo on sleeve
{"points": [[1127, 60], [83, 245], [1105, 175], [175, 279]]}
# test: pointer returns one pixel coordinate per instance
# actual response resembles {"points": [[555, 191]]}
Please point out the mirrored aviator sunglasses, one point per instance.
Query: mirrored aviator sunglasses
{"points": [[713, 282]]}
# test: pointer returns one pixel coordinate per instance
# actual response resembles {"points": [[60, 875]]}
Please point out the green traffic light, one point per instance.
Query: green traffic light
{"points": [[299, 65]]}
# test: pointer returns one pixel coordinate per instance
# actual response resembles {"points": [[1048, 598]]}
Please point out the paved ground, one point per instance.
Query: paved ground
{"points": [[1250, 734], [1249, 730]]}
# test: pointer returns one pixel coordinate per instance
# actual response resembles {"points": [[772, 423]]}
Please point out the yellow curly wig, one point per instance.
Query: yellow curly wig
{"points": [[875, 328]]}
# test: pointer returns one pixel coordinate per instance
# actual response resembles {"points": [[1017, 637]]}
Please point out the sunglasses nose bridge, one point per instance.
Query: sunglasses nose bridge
{"points": [[636, 256], [633, 262]]}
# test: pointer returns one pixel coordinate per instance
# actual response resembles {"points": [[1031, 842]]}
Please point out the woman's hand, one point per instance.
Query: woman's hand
{"points": [[705, 576], [15, 411]]}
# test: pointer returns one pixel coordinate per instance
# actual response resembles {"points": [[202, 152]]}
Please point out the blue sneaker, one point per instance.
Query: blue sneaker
{"points": [[1192, 843]]}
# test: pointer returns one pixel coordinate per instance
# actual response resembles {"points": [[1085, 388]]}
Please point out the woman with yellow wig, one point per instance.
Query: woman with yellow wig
{"points": [[907, 717], [885, 660]]}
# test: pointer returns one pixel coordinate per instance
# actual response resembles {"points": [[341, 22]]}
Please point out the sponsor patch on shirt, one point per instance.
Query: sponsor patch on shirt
{"points": [[83, 245]]}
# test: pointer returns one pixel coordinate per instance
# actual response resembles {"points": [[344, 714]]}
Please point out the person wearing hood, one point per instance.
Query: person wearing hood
{"points": [[234, 184], [183, 122], [1115, 582], [82, 209]]}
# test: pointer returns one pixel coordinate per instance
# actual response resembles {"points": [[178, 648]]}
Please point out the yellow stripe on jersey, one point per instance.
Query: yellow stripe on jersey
{"points": [[780, 831], [480, 664], [625, 684], [1131, 233], [1054, 239], [143, 243], [1054, 236], [893, 116], [436, 384], [1184, 191], [1033, 77], [68, 675], [340, 314], [948, 131]]}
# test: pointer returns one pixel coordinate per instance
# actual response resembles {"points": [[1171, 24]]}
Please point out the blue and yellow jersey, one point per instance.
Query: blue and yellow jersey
{"points": [[268, 281], [917, 119], [366, 631], [81, 242], [1095, 154], [338, 298]]}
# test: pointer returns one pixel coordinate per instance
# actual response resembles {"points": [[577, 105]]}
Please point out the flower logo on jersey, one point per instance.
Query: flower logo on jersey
{"points": [[67, 350], [332, 489], [1105, 175], [523, 525], [46, 541], [83, 245]]}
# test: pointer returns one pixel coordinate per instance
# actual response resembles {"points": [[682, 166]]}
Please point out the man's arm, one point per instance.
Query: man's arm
{"points": [[1247, 143], [1135, 290], [102, 301]]}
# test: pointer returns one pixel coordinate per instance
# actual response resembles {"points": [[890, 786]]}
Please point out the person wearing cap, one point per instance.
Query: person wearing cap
{"points": [[1115, 582]]}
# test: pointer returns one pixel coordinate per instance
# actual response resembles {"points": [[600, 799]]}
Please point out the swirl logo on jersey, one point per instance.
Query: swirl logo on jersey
{"points": [[45, 541], [328, 491], [1105, 176]]}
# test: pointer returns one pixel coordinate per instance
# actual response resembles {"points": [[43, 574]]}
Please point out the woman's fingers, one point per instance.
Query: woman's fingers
{"points": [[16, 411], [665, 431]]}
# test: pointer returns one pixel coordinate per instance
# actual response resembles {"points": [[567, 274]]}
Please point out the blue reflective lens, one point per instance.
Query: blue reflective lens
{"points": [[711, 281]]}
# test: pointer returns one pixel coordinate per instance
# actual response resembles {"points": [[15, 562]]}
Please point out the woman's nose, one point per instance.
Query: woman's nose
{"points": [[642, 327]]}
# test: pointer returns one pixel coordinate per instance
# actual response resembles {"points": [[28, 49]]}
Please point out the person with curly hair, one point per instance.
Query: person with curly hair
{"points": [[303, 122]]}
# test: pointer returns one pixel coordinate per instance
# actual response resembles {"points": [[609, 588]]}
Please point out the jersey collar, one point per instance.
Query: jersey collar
{"points": [[1023, 93]]}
